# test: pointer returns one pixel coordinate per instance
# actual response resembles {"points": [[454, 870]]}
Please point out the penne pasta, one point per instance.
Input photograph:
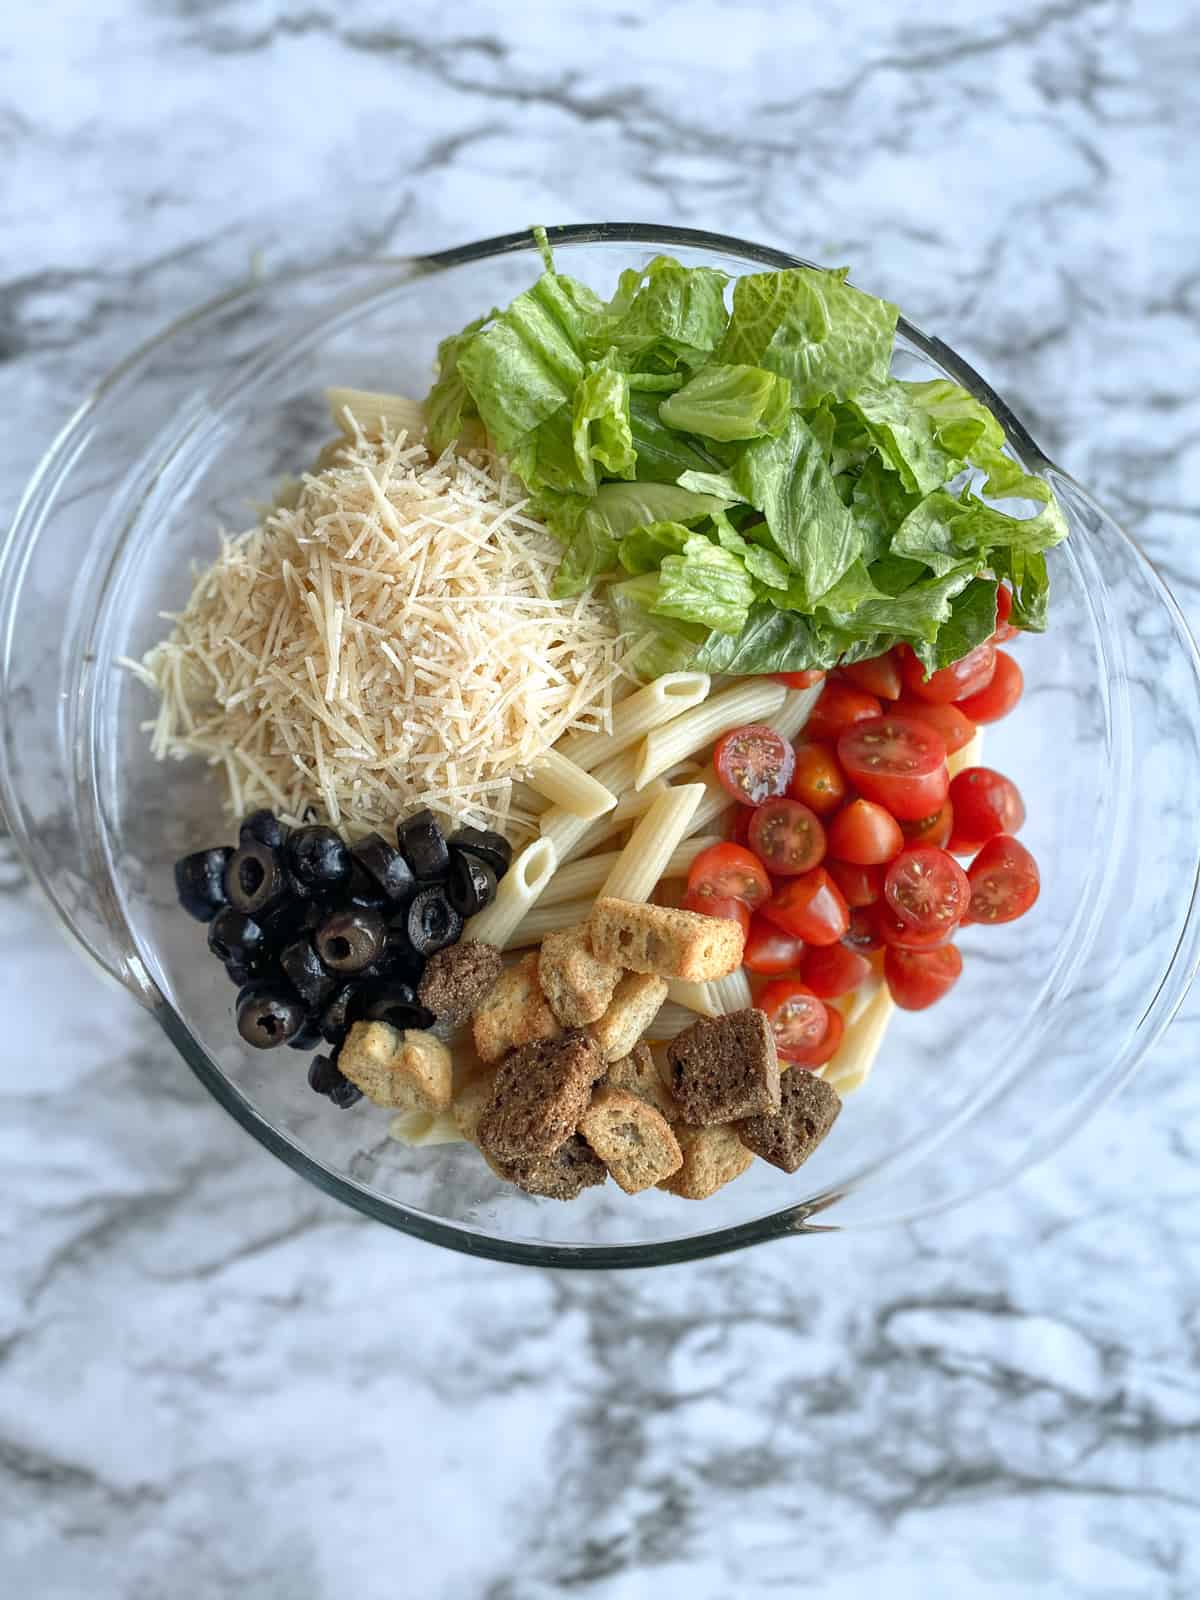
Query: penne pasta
{"points": [[518, 891], [697, 997], [715, 804], [375, 413], [569, 786], [585, 876], [667, 697], [541, 920], [716, 998], [865, 1028], [424, 1127], [564, 830], [795, 711], [644, 859], [671, 1020], [747, 702]]}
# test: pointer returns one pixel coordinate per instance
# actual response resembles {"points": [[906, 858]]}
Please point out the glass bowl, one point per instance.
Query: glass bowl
{"points": [[196, 430]]}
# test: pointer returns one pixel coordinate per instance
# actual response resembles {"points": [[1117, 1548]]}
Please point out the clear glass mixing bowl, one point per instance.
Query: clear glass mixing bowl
{"points": [[196, 429]]}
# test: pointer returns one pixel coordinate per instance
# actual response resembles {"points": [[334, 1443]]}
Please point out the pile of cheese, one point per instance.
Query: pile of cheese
{"points": [[385, 641]]}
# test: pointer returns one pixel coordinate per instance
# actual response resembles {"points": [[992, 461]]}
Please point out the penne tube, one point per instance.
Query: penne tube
{"points": [[716, 998], [851, 1066], [565, 830], [968, 756], [541, 920], [375, 413], [795, 711], [569, 786], [697, 997], [644, 859], [586, 875], [424, 1127], [715, 804], [667, 697], [671, 1020], [519, 889], [755, 701]]}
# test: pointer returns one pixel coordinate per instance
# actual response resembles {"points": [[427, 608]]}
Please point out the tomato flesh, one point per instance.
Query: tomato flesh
{"points": [[985, 803], [798, 680], [861, 886], [811, 906], [919, 978], [864, 931], [898, 762], [864, 834], [961, 678], [955, 729], [710, 905], [1004, 604], [835, 969], [997, 698], [1004, 880], [893, 931], [729, 872], [819, 1054], [786, 837], [935, 829], [817, 779], [799, 1019], [879, 676], [926, 889], [754, 763], [770, 951], [840, 705]]}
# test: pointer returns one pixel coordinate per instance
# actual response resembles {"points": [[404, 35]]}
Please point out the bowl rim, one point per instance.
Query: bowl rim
{"points": [[462, 1237]]}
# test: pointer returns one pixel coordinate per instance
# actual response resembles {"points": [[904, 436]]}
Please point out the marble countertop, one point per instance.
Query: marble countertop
{"points": [[214, 1382]]}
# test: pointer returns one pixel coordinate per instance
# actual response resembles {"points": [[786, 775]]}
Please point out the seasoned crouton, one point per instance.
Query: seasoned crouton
{"points": [[562, 1175], [640, 1074], [808, 1110], [577, 984], [712, 1157], [725, 1067], [664, 941], [471, 1100], [538, 1096], [409, 1070], [635, 1004], [514, 1012], [634, 1142], [456, 979]]}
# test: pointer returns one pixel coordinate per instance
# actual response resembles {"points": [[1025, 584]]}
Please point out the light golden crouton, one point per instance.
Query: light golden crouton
{"points": [[712, 1157], [514, 1012], [635, 1004], [471, 1100], [577, 984], [409, 1070], [634, 1142], [640, 1074], [665, 941]]}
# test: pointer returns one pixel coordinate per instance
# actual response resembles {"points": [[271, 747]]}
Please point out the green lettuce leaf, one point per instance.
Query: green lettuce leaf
{"points": [[944, 529], [601, 429], [879, 504], [905, 435], [661, 644], [663, 455], [449, 403], [961, 423], [593, 534], [707, 585], [972, 619], [675, 317], [762, 564], [729, 403], [643, 549], [1025, 573]]}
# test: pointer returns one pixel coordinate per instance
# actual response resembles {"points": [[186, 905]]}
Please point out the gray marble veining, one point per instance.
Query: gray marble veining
{"points": [[215, 1382]]}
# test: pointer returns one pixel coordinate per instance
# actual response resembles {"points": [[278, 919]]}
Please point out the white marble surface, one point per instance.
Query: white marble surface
{"points": [[216, 1383]]}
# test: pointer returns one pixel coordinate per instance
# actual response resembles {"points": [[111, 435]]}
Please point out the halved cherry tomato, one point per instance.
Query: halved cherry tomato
{"points": [[862, 886], [935, 829], [739, 828], [961, 678], [840, 705], [997, 698], [864, 933], [798, 680], [771, 951], [865, 834], [918, 978], [893, 931], [898, 762], [786, 837], [834, 969], [985, 803], [729, 872], [819, 1054], [1005, 881], [817, 780], [754, 763], [799, 1019], [711, 905], [812, 907], [879, 676], [927, 889], [1004, 604], [955, 729]]}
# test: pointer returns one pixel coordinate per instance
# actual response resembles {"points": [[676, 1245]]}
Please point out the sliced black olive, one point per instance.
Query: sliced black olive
{"points": [[386, 866], [399, 961], [472, 883], [254, 878], [491, 847], [263, 827], [290, 917], [304, 971], [348, 941], [233, 936], [318, 857], [238, 972], [423, 845], [433, 922], [361, 889], [310, 1034], [267, 1018], [326, 1078], [200, 882], [396, 1003], [343, 1010]]}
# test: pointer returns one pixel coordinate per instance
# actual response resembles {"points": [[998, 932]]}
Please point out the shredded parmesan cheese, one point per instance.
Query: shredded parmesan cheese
{"points": [[384, 641]]}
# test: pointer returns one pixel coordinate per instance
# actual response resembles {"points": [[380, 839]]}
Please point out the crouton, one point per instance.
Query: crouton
{"points": [[712, 1157], [471, 1100], [409, 1070], [640, 1074], [514, 1012], [665, 941], [562, 1175], [456, 979], [808, 1110], [723, 1068], [634, 1142], [577, 984], [538, 1096], [635, 1004]]}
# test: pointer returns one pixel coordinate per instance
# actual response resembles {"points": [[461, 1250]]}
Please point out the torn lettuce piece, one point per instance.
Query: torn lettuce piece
{"points": [[601, 431], [944, 529], [961, 423], [663, 455], [659, 643], [705, 584], [592, 530], [643, 550], [879, 503], [449, 403], [729, 403], [972, 619], [1025, 573], [760, 563], [673, 316], [905, 435]]}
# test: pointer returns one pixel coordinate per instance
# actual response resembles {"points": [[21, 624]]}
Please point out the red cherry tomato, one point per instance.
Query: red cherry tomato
{"points": [[771, 951], [799, 1018], [864, 932], [739, 827], [864, 834], [985, 803], [729, 872], [893, 931], [819, 1054], [879, 676], [861, 886], [817, 780], [754, 763], [812, 907], [840, 705], [997, 698], [798, 680], [919, 978], [1004, 604], [711, 905], [955, 729], [927, 889], [1004, 879], [935, 829], [897, 762], [786, 837], [961, 678], [834, 969]]}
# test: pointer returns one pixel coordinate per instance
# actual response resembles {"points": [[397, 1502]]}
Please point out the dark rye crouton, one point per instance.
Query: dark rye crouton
{"points": [[540, 1092], [456, 979], [809, 1109], [723, 1068], [563, 1175]]}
